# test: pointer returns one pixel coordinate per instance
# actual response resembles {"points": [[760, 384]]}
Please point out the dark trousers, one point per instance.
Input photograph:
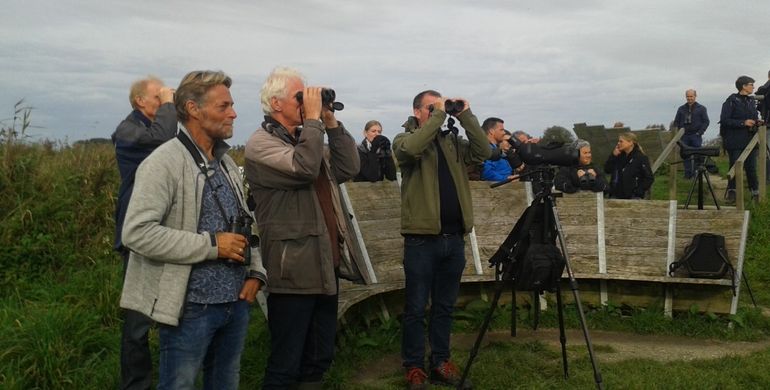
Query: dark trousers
{"points": [[749, 166], [135, 358], [302, 330], [433, 266], [696, 141]]}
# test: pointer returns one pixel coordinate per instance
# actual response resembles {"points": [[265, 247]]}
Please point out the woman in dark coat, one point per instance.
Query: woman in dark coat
{"points": [[583, 176], [629, 169]]}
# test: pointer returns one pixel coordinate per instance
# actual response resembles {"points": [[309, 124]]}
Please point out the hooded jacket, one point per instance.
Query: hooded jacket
{"points": [[415, 151], [294, 239]]}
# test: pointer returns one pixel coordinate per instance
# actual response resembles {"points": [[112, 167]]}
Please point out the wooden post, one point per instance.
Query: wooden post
{"points": [[672, 171], [762, 164], [739, 175]]}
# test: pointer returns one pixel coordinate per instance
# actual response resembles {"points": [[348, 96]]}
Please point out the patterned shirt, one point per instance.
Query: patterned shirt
{"points": [[216, 281]]}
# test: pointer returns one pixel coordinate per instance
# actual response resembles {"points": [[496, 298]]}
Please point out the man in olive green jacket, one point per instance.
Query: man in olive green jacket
{"points": [[436, 213]]}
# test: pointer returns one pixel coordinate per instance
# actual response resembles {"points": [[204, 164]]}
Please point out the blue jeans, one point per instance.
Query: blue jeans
{"points": [[433, 266], [749, 167], [208, 336], [302, 329], [692, 140]]}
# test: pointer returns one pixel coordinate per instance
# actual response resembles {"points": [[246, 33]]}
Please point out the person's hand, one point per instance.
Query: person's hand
{"points": [[581, 173], [439, 104], [330, 121], [231, 246], [591, 172], [167, 95], [249, 290], [513, 177], [750, 122], [616, 151], [533, 140], [311, 103]]}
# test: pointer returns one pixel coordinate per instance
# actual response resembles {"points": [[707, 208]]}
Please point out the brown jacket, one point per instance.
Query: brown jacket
{"points": [[280, 171]]}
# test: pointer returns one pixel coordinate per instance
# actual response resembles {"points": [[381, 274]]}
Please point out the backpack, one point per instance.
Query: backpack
{"points": [[705, 257], [539, 269]]}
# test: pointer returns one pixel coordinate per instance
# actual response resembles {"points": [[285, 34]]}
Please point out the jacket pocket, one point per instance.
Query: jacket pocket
{"points": [[295, 263]]}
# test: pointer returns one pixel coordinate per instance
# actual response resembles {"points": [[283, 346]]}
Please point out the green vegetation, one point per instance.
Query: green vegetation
{"points": [[60, 284]]}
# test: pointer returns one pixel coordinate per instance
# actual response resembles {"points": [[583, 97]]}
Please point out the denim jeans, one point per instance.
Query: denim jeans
{"points": [[433, 266], [749, 167], [135, 357], [209, 336], [302, 329], [696, 141]]}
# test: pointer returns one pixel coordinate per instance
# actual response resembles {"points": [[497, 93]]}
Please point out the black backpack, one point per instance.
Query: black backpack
{"points": [[705, 257], [539, 269]]}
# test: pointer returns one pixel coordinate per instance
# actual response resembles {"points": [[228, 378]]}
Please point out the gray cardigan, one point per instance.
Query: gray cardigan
{"points": [[161, 230]]}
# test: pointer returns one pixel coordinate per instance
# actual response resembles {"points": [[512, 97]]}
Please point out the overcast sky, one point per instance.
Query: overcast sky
{"points": [[534, 64]]}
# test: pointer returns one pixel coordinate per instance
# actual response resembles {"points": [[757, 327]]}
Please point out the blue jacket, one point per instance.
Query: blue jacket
{"points": [[496, 170], [735, 110], [698, 118], [134, 139]]}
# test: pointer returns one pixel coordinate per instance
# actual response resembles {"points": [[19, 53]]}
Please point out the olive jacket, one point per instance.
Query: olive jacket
{"points": [[417, 156]]}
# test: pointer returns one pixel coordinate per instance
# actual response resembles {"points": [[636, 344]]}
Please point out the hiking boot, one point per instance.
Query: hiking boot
{"points": [[755, 196], [416, 378], [447, 374]]}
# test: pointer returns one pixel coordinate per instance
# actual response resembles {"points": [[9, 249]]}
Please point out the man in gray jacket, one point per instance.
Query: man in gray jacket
{"points": [[151, 123], [301, 225], [187, 271]]}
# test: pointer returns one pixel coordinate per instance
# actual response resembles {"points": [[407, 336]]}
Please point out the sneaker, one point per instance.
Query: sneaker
{"points": [[416, 378], [447, 374]]}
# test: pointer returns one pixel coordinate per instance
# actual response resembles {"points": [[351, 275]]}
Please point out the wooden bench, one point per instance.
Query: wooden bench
{"points": [[619, 249]]}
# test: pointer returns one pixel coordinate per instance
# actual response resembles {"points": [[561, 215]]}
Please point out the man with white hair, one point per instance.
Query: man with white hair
{"points": [[301, 223], [151, 123]]}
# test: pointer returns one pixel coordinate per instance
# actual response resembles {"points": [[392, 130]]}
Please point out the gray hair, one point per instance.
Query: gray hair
{"points": [[580, 144], [139, 88], [194, 87], [275, 86]]}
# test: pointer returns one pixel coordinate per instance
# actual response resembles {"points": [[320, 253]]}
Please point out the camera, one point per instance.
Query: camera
{"points": [[551, 154], [454, 107], [241, 224], [587, 180], [328, 97], [687, 151]]}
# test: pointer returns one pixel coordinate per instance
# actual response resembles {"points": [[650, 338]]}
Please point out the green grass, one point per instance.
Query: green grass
{"points": [[60, 284]]}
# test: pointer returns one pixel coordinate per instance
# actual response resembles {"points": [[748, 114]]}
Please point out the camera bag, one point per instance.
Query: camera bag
{"points": [[705, 257], [540, 268]]}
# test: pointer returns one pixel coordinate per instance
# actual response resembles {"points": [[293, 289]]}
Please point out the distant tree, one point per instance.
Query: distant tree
{"points": [[557, 134], [656, 126]]}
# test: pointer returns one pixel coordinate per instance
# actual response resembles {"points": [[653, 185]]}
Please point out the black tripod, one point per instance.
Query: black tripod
{"points": [[702, 173], [539, 224]]}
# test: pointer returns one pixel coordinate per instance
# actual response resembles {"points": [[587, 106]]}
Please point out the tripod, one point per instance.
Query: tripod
{"points": [[539, 224], [702, 173]]}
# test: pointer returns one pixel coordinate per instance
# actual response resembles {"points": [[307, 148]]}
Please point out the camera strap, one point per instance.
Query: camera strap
{"points": [[196, 155]]}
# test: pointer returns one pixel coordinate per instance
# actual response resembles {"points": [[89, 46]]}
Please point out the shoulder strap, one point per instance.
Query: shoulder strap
{"points": [[196, 155]]}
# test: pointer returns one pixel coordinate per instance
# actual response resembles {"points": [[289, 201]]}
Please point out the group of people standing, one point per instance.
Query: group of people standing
{"points": [[184, 217], [191, 266]]}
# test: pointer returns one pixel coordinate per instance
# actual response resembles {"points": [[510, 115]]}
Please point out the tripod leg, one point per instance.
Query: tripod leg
{"points": [[513, 310], [562, 334], [711, 190], [748, 288], [689, 195], [482, 332], [576, 295]]}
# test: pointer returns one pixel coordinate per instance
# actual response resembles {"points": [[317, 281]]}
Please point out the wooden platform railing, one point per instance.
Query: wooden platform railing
{"points": [[620, 249]]}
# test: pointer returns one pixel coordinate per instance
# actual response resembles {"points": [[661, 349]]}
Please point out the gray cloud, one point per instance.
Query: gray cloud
{"points": [[535, 64]]}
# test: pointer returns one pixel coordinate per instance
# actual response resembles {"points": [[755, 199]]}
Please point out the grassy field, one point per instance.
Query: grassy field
{"points": [[60, 284]]}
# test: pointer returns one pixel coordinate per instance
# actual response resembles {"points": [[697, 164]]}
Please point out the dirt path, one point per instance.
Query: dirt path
{"points": [[608, 346]]}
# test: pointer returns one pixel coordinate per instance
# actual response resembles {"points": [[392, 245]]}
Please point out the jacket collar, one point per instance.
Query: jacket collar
{"points": [[274, 127]]}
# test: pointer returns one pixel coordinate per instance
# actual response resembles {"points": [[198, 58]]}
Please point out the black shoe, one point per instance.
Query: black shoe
{"points": [[447, 374]]}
